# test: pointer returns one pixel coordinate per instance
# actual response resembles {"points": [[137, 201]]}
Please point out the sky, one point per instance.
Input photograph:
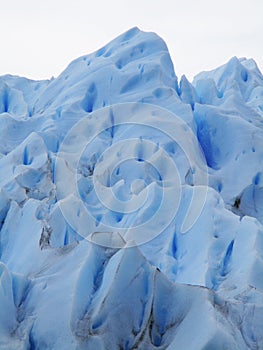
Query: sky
{"points": [[40, 38]]}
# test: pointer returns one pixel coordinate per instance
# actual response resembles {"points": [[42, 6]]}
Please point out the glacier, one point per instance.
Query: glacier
{"points": [[131, 204]]}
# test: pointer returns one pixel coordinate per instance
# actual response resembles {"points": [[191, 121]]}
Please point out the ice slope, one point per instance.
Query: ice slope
{"points": [[156, 287]]}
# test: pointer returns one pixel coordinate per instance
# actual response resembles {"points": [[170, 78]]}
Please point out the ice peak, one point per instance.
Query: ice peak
{"points": [[101, 169]]}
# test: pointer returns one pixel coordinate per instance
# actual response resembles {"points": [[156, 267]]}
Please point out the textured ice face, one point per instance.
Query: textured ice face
{"points": [[121, 176], [130, 205]]}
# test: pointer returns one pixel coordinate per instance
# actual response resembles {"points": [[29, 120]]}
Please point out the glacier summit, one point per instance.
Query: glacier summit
{"points": [[131, 204]]}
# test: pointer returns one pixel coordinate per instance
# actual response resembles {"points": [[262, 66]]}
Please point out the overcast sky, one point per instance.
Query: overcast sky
{"points": [[40, 38]]}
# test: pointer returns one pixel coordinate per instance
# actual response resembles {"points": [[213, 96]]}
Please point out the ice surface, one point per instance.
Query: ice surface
{"points": [[131, 204]]}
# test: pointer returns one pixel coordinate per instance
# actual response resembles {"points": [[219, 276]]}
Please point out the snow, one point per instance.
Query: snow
{"points": [[131, 204]]}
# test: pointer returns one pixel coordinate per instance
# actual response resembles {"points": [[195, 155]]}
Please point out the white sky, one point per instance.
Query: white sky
{"points": [[40, 38]]}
